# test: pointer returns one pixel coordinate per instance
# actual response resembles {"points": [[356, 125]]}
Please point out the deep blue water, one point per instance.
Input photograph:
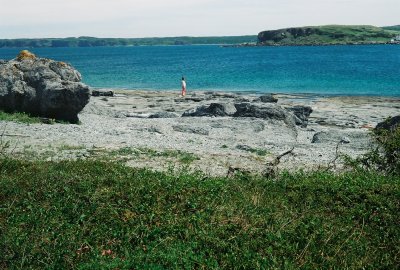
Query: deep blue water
{"points": [[327, 70]]}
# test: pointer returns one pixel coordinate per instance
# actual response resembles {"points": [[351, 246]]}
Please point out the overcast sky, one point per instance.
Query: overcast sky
{"points": [[159, 18]]}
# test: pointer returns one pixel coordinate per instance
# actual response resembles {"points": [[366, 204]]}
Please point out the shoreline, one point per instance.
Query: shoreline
{"points": [[249, 92], [120, 128], [308, 45]]}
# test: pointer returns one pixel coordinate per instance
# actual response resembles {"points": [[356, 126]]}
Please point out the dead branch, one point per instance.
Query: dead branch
{"points": [[271, 169], [278, 158], [332, 163]]}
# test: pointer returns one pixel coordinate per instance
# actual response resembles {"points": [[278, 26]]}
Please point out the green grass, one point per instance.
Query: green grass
{"points": [[130, 152], [259, 152], [19, 117], [124, 151], [393, 28], [103, 215], [67, 147]]}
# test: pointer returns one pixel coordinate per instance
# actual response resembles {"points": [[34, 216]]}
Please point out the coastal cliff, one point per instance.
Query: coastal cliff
{"points": [[327, 35]]}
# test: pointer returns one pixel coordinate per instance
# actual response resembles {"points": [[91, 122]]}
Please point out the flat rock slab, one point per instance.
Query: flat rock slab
{"points": [[190, 129]]}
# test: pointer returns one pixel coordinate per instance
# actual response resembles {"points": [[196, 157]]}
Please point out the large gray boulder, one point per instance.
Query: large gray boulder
{"points": [[270, 111], [42, 87], [214, 109]]}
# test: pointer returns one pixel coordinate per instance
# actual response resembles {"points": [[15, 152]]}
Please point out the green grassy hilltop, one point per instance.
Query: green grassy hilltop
{"points": [[328, 35], [393, 28]]}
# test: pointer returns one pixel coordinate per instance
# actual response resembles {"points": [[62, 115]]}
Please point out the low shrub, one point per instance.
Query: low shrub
{"points": [[385, 155]]}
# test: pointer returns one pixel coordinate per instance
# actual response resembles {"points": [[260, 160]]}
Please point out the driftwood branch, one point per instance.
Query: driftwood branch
{"points": [[278, 158], [271, 169], [332, 163]]}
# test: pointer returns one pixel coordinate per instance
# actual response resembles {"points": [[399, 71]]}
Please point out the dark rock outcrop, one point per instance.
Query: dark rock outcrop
{"points": [[390, 124], [267, 111], [164, 115], [222, 95], [196, 99], [214, 109], [102, 93], [302, 113], [42, 87], [268, 98]]}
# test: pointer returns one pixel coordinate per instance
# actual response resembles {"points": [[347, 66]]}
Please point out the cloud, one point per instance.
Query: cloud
{"points": [[138, 18]]}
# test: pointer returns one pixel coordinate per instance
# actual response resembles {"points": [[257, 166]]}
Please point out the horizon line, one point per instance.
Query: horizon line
{"points": [[188, 36]]}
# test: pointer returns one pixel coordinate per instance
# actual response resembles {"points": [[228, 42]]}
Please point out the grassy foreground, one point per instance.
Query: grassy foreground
{"points": [[96, 215]]}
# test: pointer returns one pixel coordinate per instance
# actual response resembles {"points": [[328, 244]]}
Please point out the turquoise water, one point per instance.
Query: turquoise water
{"points": [[326, 70]]}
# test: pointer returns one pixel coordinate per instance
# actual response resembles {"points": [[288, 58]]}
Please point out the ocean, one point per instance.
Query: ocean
{"points": [[322, 70]]}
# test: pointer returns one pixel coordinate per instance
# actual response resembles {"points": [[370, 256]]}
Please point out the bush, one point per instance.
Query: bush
{"points": [[385, 157]]}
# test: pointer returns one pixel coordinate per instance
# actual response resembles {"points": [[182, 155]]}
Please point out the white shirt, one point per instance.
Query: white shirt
{"points": [[183, 84]]}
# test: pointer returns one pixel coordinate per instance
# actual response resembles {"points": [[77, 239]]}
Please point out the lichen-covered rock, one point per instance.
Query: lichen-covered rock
{"points": [[24, 54], [42, 87]]}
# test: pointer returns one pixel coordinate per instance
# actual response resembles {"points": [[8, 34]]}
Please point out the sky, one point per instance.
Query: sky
{"points": [[167, 18]]}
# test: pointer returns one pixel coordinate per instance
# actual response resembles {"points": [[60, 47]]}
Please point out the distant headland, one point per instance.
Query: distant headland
{"points": [[295, 36], [330, 35]]}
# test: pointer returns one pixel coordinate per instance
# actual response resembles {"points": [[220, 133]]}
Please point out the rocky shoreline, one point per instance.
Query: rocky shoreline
{"points": [[162, 131]]}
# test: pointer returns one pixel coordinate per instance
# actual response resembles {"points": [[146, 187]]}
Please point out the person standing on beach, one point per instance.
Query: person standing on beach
{"points": [[183, 87]]}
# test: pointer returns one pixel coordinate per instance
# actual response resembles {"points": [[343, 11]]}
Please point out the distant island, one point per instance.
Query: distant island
{"points": [[330, 35], [95, 42], [295, 36]]}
